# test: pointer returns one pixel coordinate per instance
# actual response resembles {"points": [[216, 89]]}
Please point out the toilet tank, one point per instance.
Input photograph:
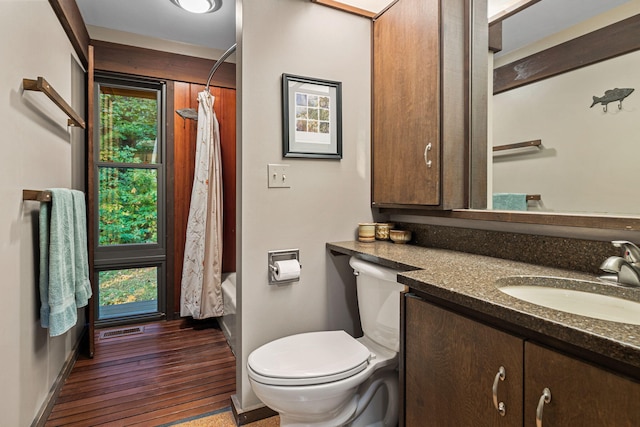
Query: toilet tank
{"points": [[378, 302]]}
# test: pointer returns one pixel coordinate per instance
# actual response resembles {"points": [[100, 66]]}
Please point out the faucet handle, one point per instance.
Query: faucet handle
{"points": [[631, 251]]}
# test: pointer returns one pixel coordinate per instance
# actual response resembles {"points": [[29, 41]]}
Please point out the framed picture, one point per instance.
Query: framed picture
{"points": [[312, 117]]}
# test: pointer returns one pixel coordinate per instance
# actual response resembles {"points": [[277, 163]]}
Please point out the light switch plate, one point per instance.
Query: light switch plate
{"points": [[278, 176]]}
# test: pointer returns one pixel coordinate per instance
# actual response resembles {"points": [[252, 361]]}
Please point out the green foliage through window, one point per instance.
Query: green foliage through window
{"points": [[128, 122], [129, 285], [128, 195]]}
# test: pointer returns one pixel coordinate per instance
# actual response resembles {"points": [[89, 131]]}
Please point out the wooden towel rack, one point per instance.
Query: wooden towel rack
{"points": [[533, 197], [534, 143], [41, 85], [40, 196]]}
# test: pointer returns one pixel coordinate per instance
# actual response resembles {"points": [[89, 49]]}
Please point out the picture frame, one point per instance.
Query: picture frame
{"points": [[311, 117]]}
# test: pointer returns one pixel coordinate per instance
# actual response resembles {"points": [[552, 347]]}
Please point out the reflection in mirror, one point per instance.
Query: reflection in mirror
{"points": [[587, 161]]}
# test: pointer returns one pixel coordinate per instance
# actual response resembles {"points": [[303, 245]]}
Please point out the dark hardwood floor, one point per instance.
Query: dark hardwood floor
{"points": [[170, 372]]}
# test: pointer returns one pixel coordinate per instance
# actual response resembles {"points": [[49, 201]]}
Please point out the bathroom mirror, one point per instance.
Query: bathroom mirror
{"points": [[586, 162]]}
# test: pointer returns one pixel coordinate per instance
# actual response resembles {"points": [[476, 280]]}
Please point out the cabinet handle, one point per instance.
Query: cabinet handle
{"points": [[426, 155], [500, 407], [545, 398]]}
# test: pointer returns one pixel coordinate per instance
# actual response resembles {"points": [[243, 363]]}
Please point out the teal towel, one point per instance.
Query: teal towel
{"points": [[81, 257], [510, 202], [64, 271]]}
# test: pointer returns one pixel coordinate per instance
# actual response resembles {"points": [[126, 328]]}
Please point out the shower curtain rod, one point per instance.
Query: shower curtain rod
{"points": [[191, 113], [219, 62]]}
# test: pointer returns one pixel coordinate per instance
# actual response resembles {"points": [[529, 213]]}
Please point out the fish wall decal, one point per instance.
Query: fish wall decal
{"points": [[612, 95]]}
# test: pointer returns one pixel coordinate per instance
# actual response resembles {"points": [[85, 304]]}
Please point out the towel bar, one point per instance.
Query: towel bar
{"points": [[40, 196], [41, 85], [526, 144]]}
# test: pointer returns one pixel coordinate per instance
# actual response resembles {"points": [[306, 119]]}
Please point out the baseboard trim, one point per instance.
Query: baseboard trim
{"points": [[249, 415], [47, 406]]}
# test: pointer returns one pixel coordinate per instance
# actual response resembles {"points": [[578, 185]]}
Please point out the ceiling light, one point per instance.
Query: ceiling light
{"points": [[198, 6]]}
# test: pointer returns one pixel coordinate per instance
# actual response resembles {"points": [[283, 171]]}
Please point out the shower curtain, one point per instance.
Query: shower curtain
{"points": [[201, 293]]}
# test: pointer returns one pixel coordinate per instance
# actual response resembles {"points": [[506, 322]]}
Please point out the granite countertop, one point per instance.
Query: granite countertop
{"points": [[469, 281]]}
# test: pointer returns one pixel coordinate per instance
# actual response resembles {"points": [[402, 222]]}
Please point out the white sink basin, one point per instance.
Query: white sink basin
{"points": [[566, 295]]}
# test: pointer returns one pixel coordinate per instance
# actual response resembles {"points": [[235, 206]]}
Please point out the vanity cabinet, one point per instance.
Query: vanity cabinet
{"points": [[581, 394], [451, 369], [420, 98], [450, 363]]}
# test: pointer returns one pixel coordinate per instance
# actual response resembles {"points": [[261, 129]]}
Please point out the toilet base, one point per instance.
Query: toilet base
{"points": [[374, 405]]}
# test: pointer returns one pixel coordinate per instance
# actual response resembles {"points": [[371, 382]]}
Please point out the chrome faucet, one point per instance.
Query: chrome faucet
{"points": [[627, 267]]}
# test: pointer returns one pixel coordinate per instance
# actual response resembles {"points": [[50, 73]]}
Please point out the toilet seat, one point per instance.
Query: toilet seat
{"points": [[308, 359]]}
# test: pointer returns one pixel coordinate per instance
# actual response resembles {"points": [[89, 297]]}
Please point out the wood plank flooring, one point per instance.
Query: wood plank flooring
{"points": [[170, 372]]}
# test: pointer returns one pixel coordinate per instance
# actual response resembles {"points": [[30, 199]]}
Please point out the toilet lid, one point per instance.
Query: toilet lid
{"points": [[309, 358]]}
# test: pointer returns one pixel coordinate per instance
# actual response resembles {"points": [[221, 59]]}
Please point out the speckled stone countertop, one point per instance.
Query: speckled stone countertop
{"points": [[469, 281]]}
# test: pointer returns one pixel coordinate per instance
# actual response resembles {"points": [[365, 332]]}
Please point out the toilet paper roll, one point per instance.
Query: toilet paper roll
{"points": [[287, 270]]}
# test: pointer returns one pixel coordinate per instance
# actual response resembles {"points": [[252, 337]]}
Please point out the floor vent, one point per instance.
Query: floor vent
{"points": [[113, 333]]}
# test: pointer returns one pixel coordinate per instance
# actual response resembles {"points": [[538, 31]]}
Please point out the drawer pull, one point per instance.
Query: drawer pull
{"points": [[426, 155], [545, 398], [500, 407]]}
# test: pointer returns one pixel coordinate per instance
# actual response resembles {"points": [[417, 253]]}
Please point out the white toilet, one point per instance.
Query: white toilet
{"points": [[330, 378]]}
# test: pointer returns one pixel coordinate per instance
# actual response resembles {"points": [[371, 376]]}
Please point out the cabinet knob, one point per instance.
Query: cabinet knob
{"points": [[500, 407], [545, 398], [426, 155]]}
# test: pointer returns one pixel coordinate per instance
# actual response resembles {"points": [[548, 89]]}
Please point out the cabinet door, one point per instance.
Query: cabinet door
{"points": [[450, 366], [581, 394], [420, 97]]}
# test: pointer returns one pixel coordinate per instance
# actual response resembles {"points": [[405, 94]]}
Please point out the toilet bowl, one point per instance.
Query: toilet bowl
{"points": [[329, 378]]}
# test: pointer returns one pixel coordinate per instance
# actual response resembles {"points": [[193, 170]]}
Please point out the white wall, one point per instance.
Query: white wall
{"points": [[37, 153], [589, 160], [327, 198]]}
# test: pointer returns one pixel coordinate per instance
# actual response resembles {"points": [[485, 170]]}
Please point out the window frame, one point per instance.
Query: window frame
{"points": [[135, 255]]}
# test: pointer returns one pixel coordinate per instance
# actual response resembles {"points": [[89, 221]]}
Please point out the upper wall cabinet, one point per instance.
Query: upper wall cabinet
{"points": [[420, 105]]}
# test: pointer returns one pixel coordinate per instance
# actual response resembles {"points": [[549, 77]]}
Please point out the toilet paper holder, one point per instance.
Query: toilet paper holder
{"points": [[281, 255]]}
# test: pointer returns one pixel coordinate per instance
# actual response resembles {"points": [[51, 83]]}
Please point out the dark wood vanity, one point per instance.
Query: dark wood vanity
{"points": [[452, 363], [458, 330]]}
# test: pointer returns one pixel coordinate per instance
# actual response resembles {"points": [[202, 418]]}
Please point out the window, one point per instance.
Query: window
{"points": [[129, 171]]}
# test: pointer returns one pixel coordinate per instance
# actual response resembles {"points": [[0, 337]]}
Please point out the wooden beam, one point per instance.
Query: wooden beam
{"points": [[162, 65], [345, 7], [606, 43], [495, 37], [71, 20]]}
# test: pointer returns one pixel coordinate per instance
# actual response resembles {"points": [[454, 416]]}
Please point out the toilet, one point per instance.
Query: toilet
{"points": [[331, 379]]}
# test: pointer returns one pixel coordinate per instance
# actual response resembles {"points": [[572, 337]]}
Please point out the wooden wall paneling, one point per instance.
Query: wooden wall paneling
{"points": [[184, 154], [227, 118], [162, 65]]}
